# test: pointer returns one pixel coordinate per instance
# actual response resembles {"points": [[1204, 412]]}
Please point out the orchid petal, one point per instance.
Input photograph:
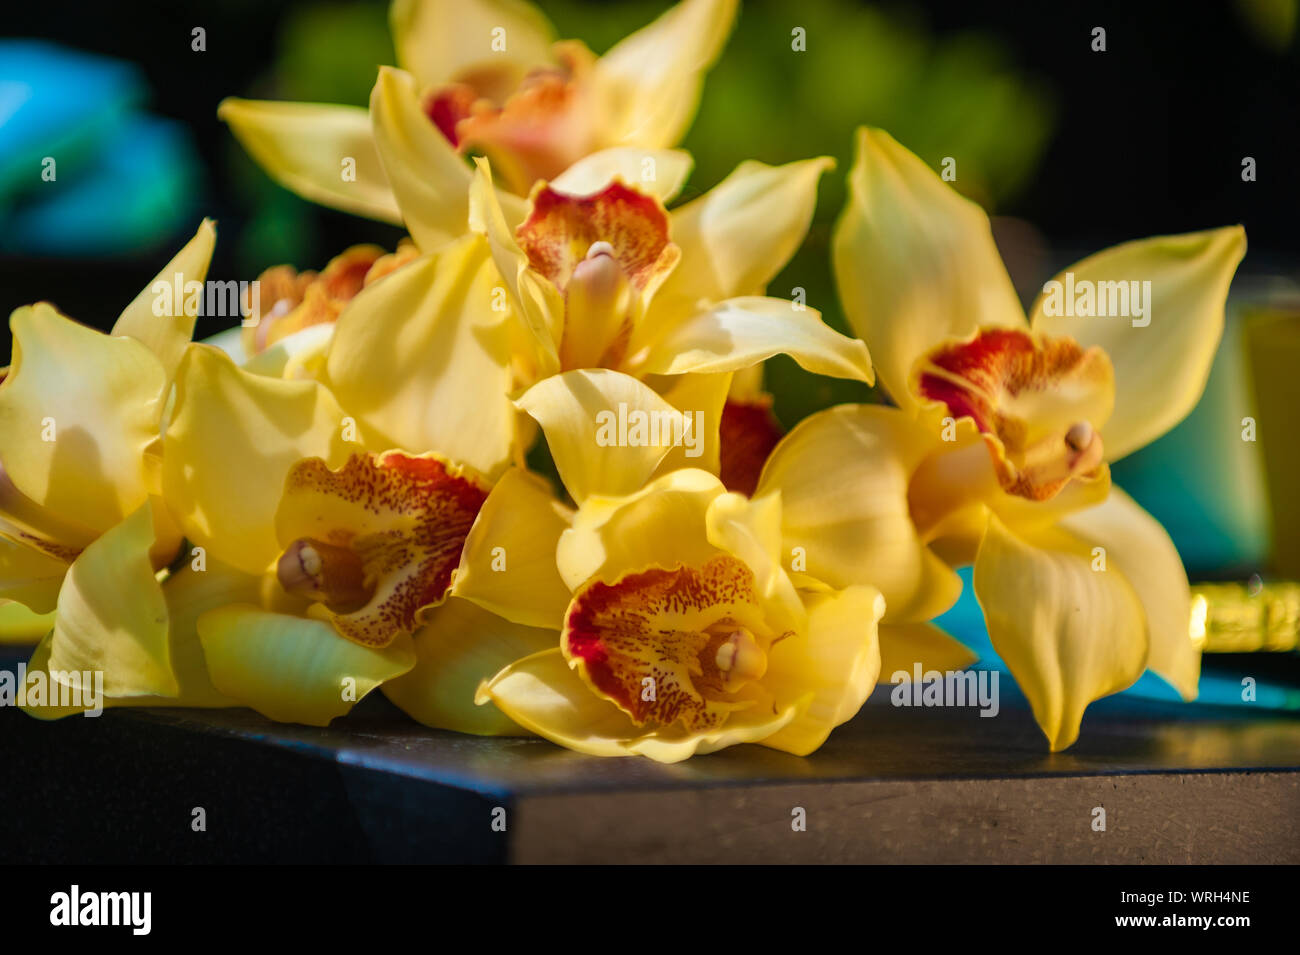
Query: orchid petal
{"points": [[542, 694], [751, 531], [30, 576], [702, 399], [77, 411], [844, 477], [167, 335], [294, 355], [1136, 545], [662, 525], [652, 79], [461, 646], [418, 361], [914, 261], [112, 616], [189, 594], [441, 40], [583, 413], [748, 726], [1069, 632], [293, 669], [508, 563], [306, 147], [657, 172], [539, 304], [429, 178], [837, 660], [737, 236], [1162, 359], [232, 439], [744, 331]]}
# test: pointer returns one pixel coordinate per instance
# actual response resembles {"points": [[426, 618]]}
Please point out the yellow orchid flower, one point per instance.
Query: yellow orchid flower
{"points": [[83, 529], [234, 439], [673, 628], [605, 277], [485, 75], [340, 530], [998, 449]]}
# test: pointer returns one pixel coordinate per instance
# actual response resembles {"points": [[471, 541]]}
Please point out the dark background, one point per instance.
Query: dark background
{"points": [[1148, 138]]}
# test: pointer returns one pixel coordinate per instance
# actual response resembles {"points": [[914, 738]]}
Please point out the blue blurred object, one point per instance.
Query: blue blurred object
{"points": [[965, 622], [122, 181]]}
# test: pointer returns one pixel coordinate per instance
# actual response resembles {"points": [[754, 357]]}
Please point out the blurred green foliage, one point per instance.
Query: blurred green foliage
{"points": [[330, 52]]}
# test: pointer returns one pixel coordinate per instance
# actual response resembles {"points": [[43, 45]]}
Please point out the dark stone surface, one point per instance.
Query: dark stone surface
{"points": [[894, 784]]}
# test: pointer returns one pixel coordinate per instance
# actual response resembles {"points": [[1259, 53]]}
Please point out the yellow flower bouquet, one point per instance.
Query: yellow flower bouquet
{"points": [[520, 474]]}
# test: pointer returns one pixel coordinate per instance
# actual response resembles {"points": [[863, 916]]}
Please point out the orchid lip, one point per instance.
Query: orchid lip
{"points": [[618, 221], [678, 631], [1038, 402], [377, 540]]}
